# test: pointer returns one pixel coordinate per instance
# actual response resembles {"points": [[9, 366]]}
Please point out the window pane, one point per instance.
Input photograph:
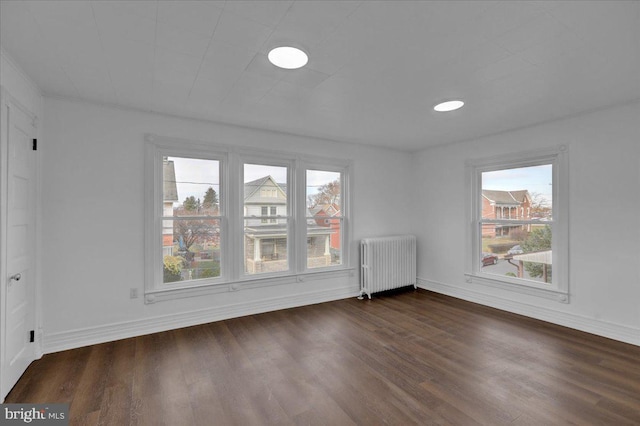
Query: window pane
{"points": [[324, 242], [517, 250], [523, 193], [191, 187], [525, 251], [324, 219], [265, 239], [323, 192], [190, 249]]}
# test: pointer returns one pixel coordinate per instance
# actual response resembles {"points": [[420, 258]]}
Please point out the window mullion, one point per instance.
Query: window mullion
{"points": [[233, 184], [515, 222], [190, 217], [299, 217]]}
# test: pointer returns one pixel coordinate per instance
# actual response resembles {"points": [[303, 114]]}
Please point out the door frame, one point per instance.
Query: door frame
{"points": [[8, 102]]}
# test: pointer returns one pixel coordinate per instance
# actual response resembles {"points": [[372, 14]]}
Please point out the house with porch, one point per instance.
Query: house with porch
{"points": [[504, 205], [265, 239]]}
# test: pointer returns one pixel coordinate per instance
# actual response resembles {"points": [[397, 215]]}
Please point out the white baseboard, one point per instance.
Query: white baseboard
{"points": [[71, 339], [77, 338], [590, 325]]}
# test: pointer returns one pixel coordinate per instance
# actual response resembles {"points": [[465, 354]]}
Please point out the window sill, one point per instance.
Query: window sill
{"points": [[163, 294], [516, 286]]}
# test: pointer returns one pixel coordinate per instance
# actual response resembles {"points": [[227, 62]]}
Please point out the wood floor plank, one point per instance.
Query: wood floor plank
{"points": [[413, 357], [89, 391]]}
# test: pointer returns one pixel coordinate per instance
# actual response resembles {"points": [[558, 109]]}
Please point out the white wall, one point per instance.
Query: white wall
{"points": [[93, 222], [604, 239]]}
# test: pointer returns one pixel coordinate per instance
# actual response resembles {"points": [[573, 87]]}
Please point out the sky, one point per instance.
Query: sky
{"points": [[535, 179], [194, 176]]}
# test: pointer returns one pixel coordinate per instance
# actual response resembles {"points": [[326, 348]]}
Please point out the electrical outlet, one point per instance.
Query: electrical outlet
{"points": [[133, 293]]}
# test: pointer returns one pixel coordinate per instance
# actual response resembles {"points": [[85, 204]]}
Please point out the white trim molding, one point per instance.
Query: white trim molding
{"points": [[590, 325], [207, 289], [558, 158], [532, 289], [77, 338]]}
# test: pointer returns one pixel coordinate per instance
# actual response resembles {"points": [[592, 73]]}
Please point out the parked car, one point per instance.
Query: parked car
{"points": [[489, 259], [515, 250]]}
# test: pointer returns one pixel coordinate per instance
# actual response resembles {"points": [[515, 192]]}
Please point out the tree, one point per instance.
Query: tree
{"points": [[194, 231], [539, 204], [329, 193], [191, 204], [189, 232], [210, 199], [539, 240]]}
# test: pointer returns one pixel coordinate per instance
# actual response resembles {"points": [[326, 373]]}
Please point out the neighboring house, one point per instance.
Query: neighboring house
{"points": [[265, 197], [170, 195], [504, 205], [266, 234], [325, 215]]}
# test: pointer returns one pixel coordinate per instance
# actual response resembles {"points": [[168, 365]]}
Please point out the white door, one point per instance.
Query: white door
{"points": [[18, 301]]}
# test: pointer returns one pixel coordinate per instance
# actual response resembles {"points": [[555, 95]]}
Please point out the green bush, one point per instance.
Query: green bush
{"points": [[518, 234], [500, 247], [209, 272], [539, 240], [207, 269], [172, 268]]}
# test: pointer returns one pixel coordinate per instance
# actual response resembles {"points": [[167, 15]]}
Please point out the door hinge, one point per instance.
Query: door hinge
{"points": [[32, 336], [35, 144]]}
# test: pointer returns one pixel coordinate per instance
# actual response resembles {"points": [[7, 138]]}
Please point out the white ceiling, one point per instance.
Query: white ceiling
{"points": [[375, 70]]}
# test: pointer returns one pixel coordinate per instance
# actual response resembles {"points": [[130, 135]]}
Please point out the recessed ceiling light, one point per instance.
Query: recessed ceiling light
{"points": [[288, 57], [448, 106]]}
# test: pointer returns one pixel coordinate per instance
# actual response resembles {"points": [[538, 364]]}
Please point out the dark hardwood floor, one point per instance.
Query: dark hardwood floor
{"points": [[410, 358]]}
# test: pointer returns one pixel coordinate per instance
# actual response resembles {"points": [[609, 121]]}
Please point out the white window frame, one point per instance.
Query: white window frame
{"points": [[156, 151], [251, 157], [231, 216], [345, 209], [558, 157]]}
